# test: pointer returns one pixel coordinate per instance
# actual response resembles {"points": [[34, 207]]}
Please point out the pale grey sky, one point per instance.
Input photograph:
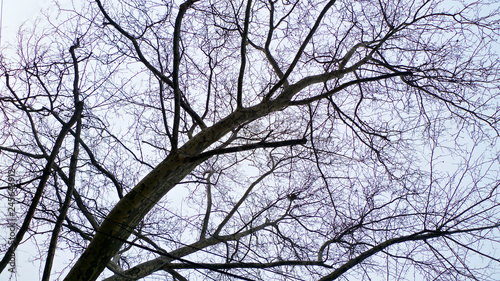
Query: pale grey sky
{"points": [[16, 12]]}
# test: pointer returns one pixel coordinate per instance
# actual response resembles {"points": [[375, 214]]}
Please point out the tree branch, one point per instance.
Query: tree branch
{"points": [[148, 65], [206, 219], [243, 55], [347, 84], [175, 73], [72, 172], [236, 265], [147, 268], [39, 191], [423, 235], [262, 144], [301, 49]]}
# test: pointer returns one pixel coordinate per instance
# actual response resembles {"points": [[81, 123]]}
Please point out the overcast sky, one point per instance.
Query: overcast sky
{"points": [[15, 12]]}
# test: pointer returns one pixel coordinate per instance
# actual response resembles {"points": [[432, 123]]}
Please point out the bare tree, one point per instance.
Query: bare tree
{"points": [[258, 140]]}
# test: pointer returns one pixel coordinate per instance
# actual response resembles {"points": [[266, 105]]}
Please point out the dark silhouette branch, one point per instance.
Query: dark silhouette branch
{"points": [[422, 236], [263, 144], [175, 73], [72, 172], [243, 55], [301, 49], [43, 180]]}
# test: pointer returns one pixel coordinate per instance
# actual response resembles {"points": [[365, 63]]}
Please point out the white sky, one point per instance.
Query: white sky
{"points": [[15, 12]]}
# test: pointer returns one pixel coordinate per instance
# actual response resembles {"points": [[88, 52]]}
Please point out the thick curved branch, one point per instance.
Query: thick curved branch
{"points": [[144, 269]]}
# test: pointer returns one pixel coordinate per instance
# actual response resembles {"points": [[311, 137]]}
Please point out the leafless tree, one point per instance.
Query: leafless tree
{"points": [[258, 140]]}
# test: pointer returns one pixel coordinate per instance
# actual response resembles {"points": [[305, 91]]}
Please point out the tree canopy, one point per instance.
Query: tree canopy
{"points": [[257, 140]]}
